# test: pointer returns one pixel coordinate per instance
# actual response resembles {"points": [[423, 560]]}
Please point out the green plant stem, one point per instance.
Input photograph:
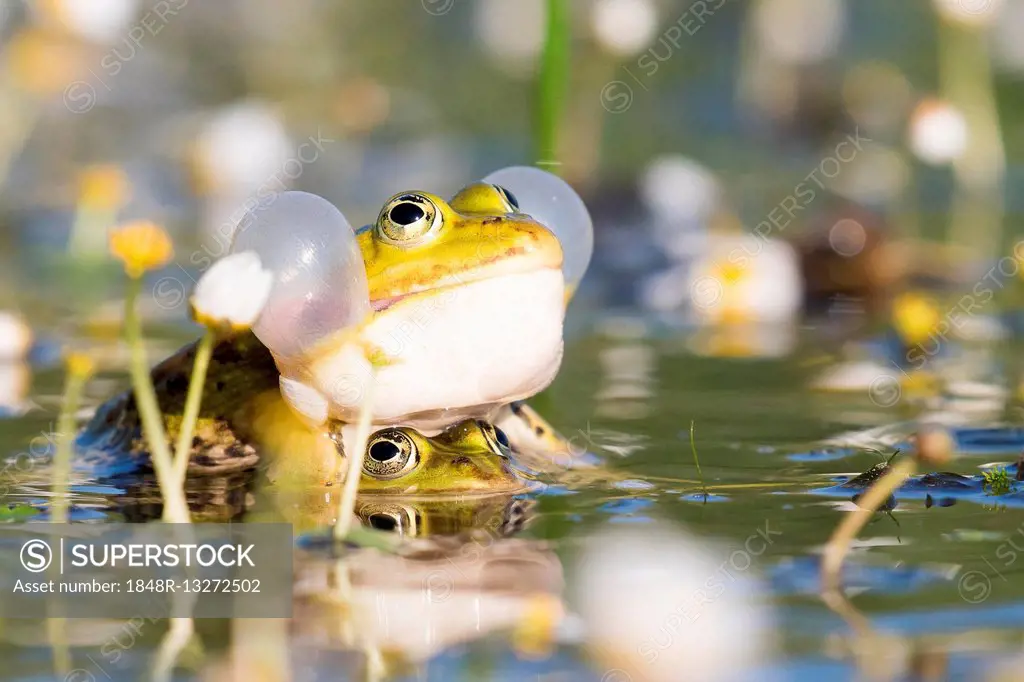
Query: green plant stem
{"points": [[839, 544], [175, 505], [347, 504], [551, 84], [193, 401], [73, 386], [700, 474], [966, 80]]}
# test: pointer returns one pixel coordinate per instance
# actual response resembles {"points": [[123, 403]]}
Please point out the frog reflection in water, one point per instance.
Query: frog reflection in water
{"points": [[479, 283]]}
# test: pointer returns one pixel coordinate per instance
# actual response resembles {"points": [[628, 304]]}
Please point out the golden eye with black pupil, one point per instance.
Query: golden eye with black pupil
{"points": [[390, 454], [508, 197], [496, 438], [407, 218]]}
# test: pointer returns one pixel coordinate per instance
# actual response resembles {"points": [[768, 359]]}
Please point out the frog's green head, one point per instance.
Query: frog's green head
{"points": [[422, 243], [470, 457]]}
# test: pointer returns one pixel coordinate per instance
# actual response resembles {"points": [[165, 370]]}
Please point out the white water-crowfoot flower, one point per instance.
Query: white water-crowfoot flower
{"points": [[660, 605], [938, 132], [15, 337], [232, 293]]}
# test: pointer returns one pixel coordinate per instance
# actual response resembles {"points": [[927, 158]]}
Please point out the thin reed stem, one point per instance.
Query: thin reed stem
{"points": [[839, 544], [175, 505], [700, 474], [179, 634], [347, 504], [551, 84], [77, 375], [193, 402]]}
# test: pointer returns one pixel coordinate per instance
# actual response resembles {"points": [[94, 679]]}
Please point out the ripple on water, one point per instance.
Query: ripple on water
{"points": [[989, 441], [633, 484], [938, 489], [802, 575], [821, 455], [623, 507], [702, 498]]}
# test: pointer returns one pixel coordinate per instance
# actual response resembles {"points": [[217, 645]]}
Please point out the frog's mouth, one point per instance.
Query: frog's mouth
{"points": [[449, 283], [537, 251]]}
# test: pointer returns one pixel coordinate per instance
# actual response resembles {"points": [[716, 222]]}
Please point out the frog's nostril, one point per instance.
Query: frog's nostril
{"points": [[406, 213]]}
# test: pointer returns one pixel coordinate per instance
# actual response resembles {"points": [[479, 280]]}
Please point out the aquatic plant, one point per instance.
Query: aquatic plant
{"points": [[551, 84], [79, 368], [347, 502], [874, 498], [102, 189], [700, 474], [966, 80], [228, 298], [997, 481], [141, 247]]}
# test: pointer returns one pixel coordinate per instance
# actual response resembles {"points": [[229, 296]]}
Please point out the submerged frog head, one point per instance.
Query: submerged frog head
{"points": [[470, 457]]}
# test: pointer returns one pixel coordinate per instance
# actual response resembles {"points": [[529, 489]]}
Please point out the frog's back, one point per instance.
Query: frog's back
{"points": [[241, 369]]}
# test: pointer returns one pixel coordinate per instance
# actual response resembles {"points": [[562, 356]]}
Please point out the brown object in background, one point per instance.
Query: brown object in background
{"points": [[844, 255]]}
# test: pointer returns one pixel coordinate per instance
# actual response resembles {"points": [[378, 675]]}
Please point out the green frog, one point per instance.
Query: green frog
{"points": [[411, 484], [466, 300]]}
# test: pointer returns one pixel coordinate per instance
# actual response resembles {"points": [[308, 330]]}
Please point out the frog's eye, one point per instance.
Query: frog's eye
{"points": [[497, 441], [407, 219], [550, 200], [508, 197], [388, 516], [319, 276], [390, 454]]}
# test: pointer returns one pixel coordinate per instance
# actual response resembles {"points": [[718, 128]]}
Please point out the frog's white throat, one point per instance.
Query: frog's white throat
{"points": [[454, 353]]}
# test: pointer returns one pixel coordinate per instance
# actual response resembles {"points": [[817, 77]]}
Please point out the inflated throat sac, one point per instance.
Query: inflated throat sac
{"points": [[550, 200], [320, 283]]}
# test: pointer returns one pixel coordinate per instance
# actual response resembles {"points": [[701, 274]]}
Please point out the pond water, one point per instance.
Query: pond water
{"points": [[936, 578]]}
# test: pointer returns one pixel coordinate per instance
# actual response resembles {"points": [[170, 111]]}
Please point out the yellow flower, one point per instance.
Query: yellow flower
{"points": [[41, 61], [534, 636], [915, 317], [102, 187], [80, 364], [141, 246]]}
